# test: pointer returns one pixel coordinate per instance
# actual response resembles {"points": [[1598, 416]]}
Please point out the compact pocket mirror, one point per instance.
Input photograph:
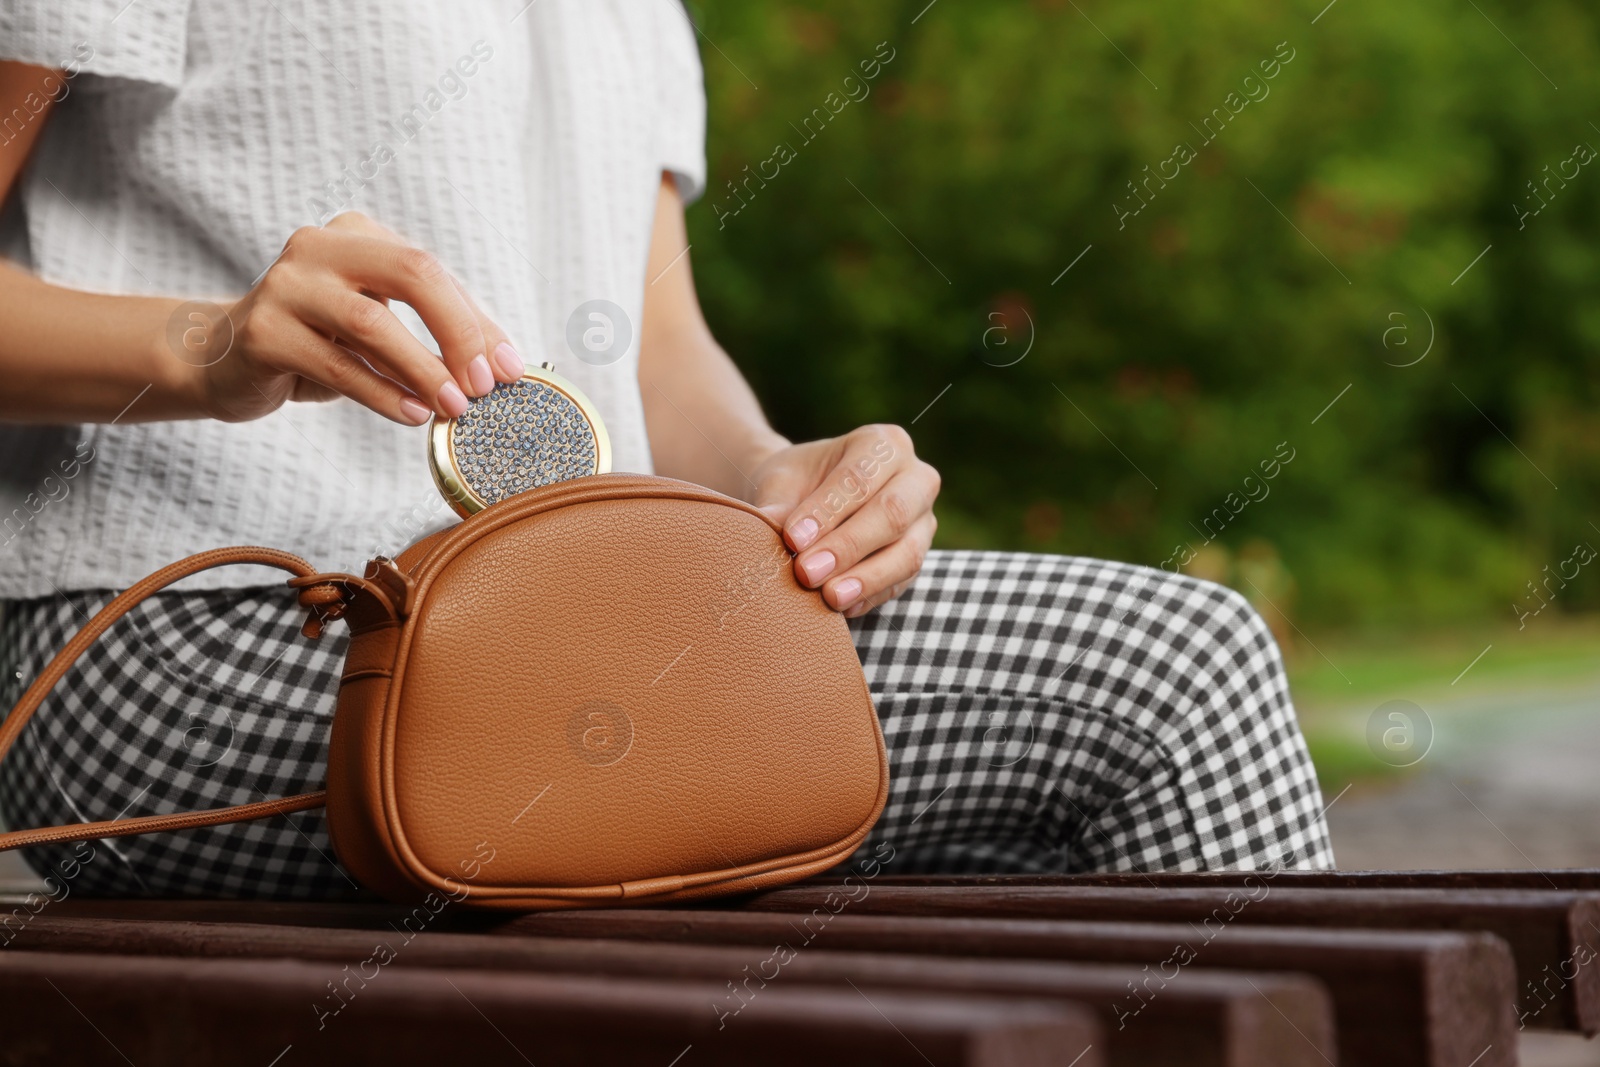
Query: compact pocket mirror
{"points": [[534, 431]]}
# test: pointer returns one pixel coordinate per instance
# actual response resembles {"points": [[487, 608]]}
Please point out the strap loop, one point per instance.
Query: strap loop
{"points": [[325, 598]]}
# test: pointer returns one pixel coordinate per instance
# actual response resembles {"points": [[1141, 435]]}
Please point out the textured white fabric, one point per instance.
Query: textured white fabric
{"points": [[522, 143]]}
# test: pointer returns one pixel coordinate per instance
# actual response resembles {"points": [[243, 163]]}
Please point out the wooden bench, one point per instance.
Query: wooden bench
{"points": [[1232, 970]]}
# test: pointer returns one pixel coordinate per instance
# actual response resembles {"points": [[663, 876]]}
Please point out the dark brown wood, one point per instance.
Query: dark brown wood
{"points": [[1580, 878], [353, 916], [1554, 935], [1400, 998], [1211, 1019], [84, 1009]]}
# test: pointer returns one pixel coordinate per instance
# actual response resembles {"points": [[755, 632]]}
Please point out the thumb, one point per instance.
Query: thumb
{"points": [[779, 490], [778, 494]]}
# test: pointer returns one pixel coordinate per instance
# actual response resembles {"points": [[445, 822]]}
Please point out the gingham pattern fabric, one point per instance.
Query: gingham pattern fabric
{"points": [[193, 700], [1059, 714], [1042, 713]]}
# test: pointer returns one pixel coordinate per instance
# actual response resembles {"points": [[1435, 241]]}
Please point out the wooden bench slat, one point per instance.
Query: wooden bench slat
{"points": [[1400, 1008], [1400, 998], [86, 1009], [1577, 879], [333, 914], [1215, 1018], [1554, 935]]}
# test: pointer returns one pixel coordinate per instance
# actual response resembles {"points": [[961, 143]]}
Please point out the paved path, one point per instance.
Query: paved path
{"points": [[1513, 781]]}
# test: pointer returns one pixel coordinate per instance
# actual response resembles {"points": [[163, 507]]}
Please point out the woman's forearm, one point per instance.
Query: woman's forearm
{"points": [[705, 423], [68, 356]]}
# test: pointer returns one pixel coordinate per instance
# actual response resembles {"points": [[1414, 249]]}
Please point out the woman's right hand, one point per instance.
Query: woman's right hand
{"points": [[317, 326]]}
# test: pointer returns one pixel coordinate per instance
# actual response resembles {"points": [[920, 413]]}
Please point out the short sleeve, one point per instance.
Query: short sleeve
{"points": [[144, 40], [681, 124]]}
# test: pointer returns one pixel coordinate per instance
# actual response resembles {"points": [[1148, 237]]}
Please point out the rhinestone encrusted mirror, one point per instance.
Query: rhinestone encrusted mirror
{"points": [[527, 433]]}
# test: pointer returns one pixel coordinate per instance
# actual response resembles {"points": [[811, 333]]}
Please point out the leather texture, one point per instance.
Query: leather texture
{"points": [[603, 690]]}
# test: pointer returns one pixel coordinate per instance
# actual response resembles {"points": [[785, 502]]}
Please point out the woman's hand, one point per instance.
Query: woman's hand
{"points": [[318, 326], [857, 509]]}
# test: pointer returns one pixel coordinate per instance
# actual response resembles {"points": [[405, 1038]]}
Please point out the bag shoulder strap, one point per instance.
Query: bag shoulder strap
{"points": [[323, 595]]}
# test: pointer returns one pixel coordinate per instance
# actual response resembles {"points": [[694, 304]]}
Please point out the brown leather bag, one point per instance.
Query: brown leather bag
{"points": [[603, 690]]}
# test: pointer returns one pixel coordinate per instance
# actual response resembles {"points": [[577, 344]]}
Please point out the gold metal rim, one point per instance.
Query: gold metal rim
{"points": [[442, 460]]}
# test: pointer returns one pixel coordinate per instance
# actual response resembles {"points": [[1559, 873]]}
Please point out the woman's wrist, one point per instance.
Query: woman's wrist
{"points": [[197, 346], [766, 444], [109, 357], [175, 364]]}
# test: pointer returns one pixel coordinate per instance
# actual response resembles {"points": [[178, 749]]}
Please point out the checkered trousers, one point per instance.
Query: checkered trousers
{"points": [[1059, 714], [192, 700], [1042, 713]]}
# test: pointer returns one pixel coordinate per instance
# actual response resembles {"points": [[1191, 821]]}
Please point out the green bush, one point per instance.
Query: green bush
{"points": [[916, 238]]}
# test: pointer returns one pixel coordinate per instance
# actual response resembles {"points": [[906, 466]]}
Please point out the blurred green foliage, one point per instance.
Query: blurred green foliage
{"points": [[916, 239]]}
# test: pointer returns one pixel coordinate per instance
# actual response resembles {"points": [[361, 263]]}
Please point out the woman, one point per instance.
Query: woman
{"points": [[238, 227]]}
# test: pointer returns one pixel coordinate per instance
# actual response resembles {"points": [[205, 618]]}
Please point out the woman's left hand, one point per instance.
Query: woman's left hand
{"points": [[857, 509]]}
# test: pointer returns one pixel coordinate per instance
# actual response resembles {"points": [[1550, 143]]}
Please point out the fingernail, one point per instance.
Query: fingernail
{"points": [[804, 532], [818, 566], [452, 401], [415, 411], [845, 593], [480, 376], [506, 358]]}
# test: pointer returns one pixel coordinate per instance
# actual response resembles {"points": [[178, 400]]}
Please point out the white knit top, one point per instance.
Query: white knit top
{"points": [[521, 142]]}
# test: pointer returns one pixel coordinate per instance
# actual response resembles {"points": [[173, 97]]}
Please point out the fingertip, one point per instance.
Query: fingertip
{"points": [[846, 592], [508, 362], [414, 411], [452, 401], [818, 565], [479, 377], [803, 532]]}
